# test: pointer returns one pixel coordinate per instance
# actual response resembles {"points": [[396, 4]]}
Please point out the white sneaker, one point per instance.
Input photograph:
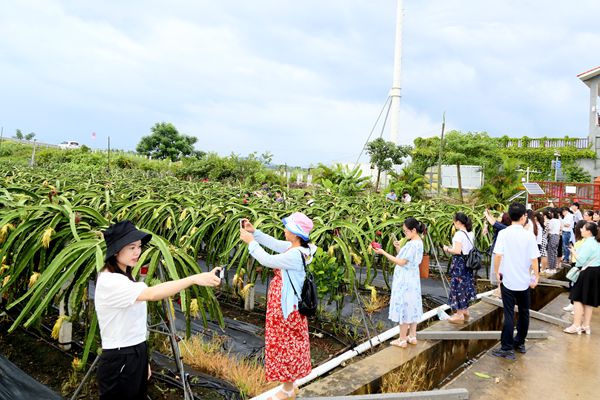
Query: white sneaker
{"points": [[568, 307]]}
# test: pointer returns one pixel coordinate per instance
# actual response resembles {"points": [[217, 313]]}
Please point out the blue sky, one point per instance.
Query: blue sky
{"points": [[302, 79]]}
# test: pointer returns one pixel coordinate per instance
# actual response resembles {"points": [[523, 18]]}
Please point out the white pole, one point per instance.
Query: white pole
{"points": [[395, 92]]}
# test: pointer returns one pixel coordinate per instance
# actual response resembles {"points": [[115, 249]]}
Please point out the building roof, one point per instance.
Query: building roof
{"points": [[587, 75]]}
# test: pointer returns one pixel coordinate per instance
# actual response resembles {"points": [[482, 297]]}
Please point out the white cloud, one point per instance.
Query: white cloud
{"points": [[305, 80]]}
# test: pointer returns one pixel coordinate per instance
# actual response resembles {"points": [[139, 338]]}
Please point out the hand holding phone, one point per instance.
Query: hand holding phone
{"points": [[220, 272]]}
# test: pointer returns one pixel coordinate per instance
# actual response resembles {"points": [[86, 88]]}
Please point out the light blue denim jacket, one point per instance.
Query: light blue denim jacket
{"points": [[588, 255], [287, 261]]}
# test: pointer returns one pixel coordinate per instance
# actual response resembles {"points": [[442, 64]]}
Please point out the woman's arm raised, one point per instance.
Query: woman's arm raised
{"points": [[168, 289]]}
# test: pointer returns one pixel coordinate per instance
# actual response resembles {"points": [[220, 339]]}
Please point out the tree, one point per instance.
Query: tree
{"points": [[384, 155], [29, 136], [166, 142], [576, 173], [19, 135]]}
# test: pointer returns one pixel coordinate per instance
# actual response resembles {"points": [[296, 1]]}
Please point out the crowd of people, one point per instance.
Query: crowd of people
{"points": [[521, 239]]}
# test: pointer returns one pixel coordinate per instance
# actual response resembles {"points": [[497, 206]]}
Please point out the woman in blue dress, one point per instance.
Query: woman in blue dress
{"points": [[406, 307], [462, 282]]}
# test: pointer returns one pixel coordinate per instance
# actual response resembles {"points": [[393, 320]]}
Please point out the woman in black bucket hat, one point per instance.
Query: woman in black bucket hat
{"points": [[123, 369]]}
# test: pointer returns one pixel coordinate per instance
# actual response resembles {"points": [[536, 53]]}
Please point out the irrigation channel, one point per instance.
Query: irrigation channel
{"points": [[375, 370]]}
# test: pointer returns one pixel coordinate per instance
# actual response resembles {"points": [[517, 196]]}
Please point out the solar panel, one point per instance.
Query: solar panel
{"points": [[533, 188]]}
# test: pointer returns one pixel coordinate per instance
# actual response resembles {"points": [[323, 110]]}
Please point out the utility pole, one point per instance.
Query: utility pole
{"points": [[32, 161], [1, 135], [395, 91], [439, 183], [108, 157]]}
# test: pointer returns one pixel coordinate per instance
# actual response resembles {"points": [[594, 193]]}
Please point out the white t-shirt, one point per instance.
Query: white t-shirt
{"points": [[554, 226], [540, 233], [122, 319], [577, 216], [467, 244], [568, 220], [518, 247]]}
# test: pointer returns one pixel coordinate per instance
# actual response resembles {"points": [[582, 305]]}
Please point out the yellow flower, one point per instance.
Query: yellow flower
{"points": [[169, 222], [245, 292], [5, 280], [57, 325], [357, 259], [194, 230], [76, 364], [46, 237], [236, 280], [4, 232], [331, 250], [33, 279], [183, 214], [373, 293], [194, 309]]}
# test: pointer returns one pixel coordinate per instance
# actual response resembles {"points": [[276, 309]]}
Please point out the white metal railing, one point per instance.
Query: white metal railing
{"points": [[579, 143]]}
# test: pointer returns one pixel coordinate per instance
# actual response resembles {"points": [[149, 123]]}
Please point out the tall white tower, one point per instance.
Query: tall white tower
{"points": [[395, 92]]}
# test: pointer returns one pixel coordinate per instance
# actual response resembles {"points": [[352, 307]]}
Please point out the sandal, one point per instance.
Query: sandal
{"points": [[412, 339], [402, 343], [587, 330], [573, 329], [456, 320], [288, 395]]}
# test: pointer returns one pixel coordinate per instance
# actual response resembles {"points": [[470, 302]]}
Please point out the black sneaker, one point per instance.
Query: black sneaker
{"points": [[508, 354], [520, 348]]}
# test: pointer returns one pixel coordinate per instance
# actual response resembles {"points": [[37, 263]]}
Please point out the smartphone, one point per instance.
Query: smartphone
{"points": [[221, 272], [242, 223], [394, 238]]}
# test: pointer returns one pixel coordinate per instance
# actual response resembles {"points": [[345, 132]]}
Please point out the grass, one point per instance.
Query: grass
{"points": [[411, 377], [247, 375]]}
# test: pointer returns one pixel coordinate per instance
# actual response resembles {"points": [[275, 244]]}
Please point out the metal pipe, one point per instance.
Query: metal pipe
{"points": [[334, 363]]}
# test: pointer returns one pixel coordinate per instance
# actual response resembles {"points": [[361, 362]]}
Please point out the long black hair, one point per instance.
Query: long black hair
{"points": [[465, 220], [577, 230]]}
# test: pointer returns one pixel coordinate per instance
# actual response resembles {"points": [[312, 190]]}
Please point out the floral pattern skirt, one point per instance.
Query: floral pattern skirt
{"points": [[462, 284], [287, 346]]}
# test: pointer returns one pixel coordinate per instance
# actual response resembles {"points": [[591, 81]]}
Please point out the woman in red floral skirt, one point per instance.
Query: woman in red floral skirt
{"points": [[287, 347]]}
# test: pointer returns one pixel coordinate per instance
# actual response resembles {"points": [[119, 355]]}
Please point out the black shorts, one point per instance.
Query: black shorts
{"points": [[123, 373]]}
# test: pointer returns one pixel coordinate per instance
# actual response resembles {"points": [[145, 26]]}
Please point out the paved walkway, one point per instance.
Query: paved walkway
{"points": [[561, 367]]}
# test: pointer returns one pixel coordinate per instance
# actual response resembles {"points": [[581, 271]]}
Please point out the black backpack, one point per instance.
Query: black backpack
{"points": [[474, 259], [308, 301]]}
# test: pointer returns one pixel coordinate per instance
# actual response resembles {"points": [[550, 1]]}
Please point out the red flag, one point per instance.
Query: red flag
{"points": [[93, 135]]}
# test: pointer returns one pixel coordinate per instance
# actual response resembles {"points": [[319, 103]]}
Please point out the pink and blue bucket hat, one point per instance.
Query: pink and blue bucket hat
{"points": [[299, 224]]}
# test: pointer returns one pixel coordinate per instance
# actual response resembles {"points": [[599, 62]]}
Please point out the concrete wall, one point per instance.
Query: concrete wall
{"points": [[594, 128]]}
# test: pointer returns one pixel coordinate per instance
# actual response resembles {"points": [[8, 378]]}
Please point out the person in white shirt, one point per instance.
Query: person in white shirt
{"points": [[567, 230], [553, 240], [516, 265], [120, 301], [406, 197], [462, 283], [577, 216]]}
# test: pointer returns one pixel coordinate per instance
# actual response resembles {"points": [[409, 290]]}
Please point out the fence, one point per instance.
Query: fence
{"points": [[587, 194], [579, 143]]}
